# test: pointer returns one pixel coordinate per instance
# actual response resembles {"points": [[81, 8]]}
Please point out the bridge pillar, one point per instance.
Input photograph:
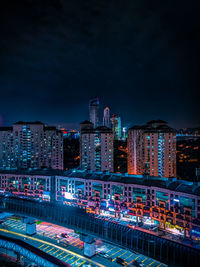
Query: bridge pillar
{"points": [[89, 245], [30, 225]]}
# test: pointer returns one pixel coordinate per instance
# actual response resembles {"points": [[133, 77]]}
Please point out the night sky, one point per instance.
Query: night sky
{"points": [[140, 57]]}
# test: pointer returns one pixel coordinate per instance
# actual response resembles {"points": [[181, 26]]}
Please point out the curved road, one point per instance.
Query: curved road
{"points": [[76, 245], [52, 246]]}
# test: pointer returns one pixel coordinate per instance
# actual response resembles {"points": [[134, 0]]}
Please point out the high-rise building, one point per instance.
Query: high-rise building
{"points": [[152, 149], [96, 147], [116, 127], [31, 145], [7, 152], [124, 133], [94, 111], [106, 117]]}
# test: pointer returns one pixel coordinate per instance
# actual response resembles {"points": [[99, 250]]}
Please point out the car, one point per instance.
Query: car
{"points": [[103, 254], [121, 261], [135, 252], [65, 235]]}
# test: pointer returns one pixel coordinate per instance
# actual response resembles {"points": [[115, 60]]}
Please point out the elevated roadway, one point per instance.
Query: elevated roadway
{"points": [[166, 251]]}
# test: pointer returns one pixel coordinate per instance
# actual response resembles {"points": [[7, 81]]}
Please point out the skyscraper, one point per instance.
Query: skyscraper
{"points": [[96, 145], [106, 117], [124, 133], [31, 145], [116, 127], [152, 149], [94, 111]]}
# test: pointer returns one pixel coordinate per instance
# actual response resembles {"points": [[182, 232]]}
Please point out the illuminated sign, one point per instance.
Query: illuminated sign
{"points": [[111, 209], [68, 195], [46, 194]]}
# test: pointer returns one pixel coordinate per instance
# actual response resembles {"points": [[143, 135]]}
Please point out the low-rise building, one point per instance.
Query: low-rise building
{"points": [[166, 202]]}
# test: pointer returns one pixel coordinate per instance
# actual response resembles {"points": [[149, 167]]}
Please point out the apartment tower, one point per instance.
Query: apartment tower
{"points": [[106, 117], [96, 147], [31, 145], [94, 112], [116, 127], [152, 149]]}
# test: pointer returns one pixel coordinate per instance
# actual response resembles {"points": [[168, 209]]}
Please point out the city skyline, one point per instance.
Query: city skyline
{"points": [[142, 69], [99, 133], [76, 124], [101, 109]]}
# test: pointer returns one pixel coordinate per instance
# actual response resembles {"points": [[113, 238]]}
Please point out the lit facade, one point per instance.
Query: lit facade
{"points": [[96, 148], [167, 202], [94, 112], [31, 145], [116, 127], [124, 133], [70, 134], [106, 117], [7, 152], [152, 150]]}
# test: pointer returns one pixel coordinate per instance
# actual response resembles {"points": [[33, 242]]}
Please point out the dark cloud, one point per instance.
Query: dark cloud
{"points": [[140, 57]]}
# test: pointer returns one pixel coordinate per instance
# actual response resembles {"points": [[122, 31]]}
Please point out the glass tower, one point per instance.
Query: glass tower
{"points": [[94, 111]]}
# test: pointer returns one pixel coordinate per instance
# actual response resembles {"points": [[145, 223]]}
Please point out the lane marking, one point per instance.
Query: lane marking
{"points": [[41, 245], [49, 250], [45, 247], [110, 250], [60, 254], [71, 258], [55, 251], [64, 256], [122, 254], [75, 261], [81, 263], [51, 244], [116, 252], [74, 241], [144, 259]]}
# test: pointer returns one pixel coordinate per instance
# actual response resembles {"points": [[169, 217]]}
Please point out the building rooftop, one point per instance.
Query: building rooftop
{"points": [[86, 122], [94, 102], [124, 178], [5, 128], [87, 127], [51, 128], [157, 121], [46, 128], [103, 129], [28, 122], [154, 126]]}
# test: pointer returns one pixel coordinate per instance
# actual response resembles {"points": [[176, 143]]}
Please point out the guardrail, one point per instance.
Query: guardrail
{"points": [[32, 253]]}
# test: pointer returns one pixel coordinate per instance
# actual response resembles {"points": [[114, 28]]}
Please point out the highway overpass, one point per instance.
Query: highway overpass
{"points": [[167, 251], [29, 252]]}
